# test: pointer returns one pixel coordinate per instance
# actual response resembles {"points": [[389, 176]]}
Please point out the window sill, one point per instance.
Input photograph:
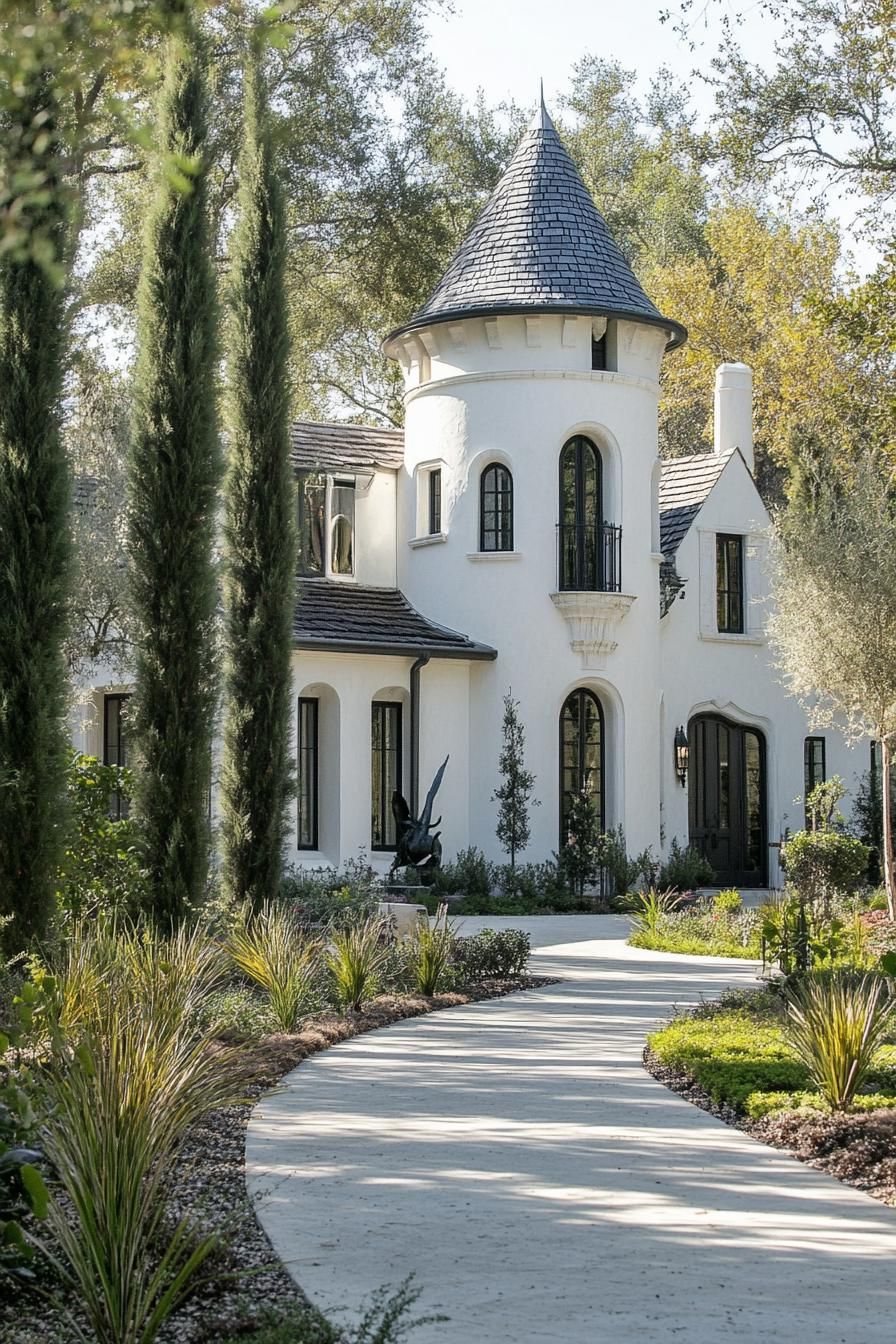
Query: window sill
{"points": [[476, 556], [719, 637], [433, 539]]}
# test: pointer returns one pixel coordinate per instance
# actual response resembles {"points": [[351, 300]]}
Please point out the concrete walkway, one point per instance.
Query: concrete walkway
{"points": [[515, 1156]]}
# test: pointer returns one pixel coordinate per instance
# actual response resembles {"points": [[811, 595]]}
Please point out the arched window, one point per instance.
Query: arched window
{"points": [[581, 756], [496, 509], [581, 513]]}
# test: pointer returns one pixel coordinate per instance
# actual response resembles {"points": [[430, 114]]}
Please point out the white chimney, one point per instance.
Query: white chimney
{"points": [[733, 411]]}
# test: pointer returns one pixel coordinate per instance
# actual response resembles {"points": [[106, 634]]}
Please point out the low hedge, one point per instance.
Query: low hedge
{"points": [[739, 1056]]}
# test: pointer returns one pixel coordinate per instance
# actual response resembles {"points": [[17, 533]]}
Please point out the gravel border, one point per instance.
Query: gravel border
{"points": [[244, 1277]]}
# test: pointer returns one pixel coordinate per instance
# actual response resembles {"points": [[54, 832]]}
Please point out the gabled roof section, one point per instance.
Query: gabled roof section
{"points": [[685, 484], [351, 618], [540, 245], [332, 446]]}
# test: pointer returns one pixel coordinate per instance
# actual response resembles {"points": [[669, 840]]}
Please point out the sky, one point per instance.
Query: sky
{"points": [[505, 47]]}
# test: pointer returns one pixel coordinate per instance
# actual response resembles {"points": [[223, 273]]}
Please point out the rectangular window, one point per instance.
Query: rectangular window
{"points": [[342, 527], [435, 501], [813, 770], [730, 584], [312, 524], [385, 771], [115, 747], [307, 739], [599, 352]]}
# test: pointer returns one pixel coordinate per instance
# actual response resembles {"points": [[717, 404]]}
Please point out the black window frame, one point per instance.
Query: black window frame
{"points": [[729, 583], [383, 824], [810, 770], [119, 808], [582, 694], [581, 530], [308, 771], [599, 353], [434, 487], [500, 529]]}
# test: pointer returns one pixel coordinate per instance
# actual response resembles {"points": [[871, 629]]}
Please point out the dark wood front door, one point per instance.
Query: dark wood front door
{"points": [[726, 799]]}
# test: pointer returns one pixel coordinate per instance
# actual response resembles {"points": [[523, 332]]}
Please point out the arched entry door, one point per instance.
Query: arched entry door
{"points": [[726, 799]]}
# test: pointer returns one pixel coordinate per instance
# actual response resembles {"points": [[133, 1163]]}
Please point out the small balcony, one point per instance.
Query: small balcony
{"points": [[589, 558]]}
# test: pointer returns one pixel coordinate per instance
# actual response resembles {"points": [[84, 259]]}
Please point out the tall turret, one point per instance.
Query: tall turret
{"points": [[529, 492]]}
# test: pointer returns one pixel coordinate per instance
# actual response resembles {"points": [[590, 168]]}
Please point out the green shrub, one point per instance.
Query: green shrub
{"points": [[491, 953], [727, 902], [22, 1188], [836, 1025], [579, 859], [731, 1056], [271, 951], [356, 960], [386, 1320], [470, 874], [697, 931], [332, 896], [822, 864], [737, 1049], [685, 869], [100, 866]]}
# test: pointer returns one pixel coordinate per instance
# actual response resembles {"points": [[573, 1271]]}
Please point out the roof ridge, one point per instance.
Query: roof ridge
{"points": [[347, 424]]}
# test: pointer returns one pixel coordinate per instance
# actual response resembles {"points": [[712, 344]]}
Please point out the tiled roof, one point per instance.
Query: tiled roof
{"points": [[337, 447], [684, 488], [540, 245], [358, 619]]}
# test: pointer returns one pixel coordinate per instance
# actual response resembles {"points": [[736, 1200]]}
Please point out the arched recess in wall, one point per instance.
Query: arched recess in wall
{"points": [[390, 734], [318, 746]]}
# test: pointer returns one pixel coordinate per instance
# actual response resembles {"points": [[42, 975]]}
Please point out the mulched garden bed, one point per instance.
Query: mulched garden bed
{"points": [[244, 1277], [858, 1149]]}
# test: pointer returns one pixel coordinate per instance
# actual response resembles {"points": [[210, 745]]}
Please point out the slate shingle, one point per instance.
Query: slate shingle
{"points": [[358, 619], [685, 484], [332, 446], [540, 245]]}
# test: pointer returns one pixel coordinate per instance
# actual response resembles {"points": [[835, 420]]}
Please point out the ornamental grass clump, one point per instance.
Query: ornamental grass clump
{"points": [[123, 1081], [271, 950], [433, 946], [651, 908], [356, 960], [836, 1025]]}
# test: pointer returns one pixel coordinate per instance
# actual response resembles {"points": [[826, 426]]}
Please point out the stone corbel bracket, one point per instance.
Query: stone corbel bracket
{"points": [[593, 620]]}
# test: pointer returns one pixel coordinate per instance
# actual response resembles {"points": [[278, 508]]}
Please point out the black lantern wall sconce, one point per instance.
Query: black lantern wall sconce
{"points": [[682, 751]]}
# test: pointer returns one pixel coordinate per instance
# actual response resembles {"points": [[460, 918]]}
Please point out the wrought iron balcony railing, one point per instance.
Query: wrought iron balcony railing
{"points": [[589, 558]]}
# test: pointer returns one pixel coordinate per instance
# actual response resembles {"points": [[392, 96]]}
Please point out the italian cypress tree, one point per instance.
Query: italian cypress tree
{"points": [[34, 539], [173, 477], [260, 525], [514, 794]]}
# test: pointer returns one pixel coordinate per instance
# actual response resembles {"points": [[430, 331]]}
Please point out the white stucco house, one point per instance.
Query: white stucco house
{"points": [[522, 531]]}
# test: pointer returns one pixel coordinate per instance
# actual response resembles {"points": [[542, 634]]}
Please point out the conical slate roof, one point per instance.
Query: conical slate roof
{"points": [[540, 246]]}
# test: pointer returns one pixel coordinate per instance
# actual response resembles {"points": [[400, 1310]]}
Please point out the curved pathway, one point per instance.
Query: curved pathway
{"points": [[517, 1158]]}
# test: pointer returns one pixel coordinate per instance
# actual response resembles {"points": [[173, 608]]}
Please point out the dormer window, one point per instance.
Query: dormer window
{"points": [[326, 526]]}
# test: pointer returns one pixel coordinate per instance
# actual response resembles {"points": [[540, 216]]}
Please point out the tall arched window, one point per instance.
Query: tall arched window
{"points": [[496, 509], [581, 513], [581, 755]]}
